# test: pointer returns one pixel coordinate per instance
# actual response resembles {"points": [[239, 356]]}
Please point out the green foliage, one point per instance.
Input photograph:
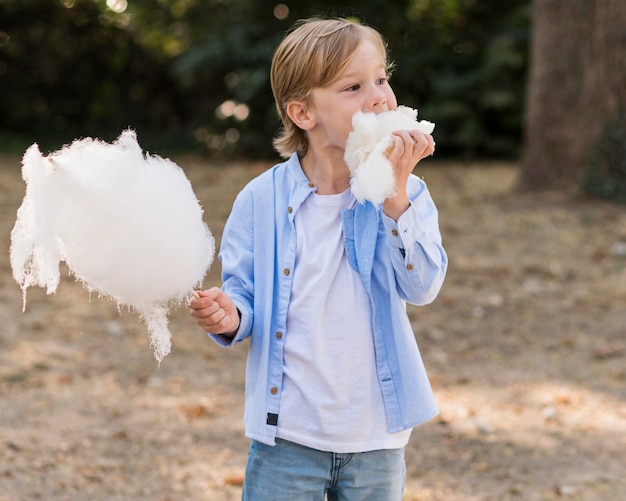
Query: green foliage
{"points": [[66, 72], [196, 72], [605, 175], [471, 62]]}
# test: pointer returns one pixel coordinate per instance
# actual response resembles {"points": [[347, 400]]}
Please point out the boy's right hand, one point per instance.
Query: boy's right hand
{"points": [[215, 312]]}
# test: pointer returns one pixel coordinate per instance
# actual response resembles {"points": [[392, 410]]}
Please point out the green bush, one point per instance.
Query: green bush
{"points": [[72, 68], [66, 71]]}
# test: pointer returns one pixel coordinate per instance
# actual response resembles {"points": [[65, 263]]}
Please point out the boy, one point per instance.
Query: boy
{"points": [[318, 282]]}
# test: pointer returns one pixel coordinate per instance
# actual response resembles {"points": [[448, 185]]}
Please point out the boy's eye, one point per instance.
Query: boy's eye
{"points": [[354, 87], [381, 81]]}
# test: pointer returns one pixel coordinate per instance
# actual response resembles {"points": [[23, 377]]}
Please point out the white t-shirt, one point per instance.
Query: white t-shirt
{"points": [[331, 399]]}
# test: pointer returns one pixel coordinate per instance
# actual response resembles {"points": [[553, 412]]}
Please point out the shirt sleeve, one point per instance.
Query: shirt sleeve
{"points": [[237, 258], [417, 254]]}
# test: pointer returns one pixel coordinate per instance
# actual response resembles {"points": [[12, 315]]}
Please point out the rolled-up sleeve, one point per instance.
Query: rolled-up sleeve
{"points": [[418, 257]]}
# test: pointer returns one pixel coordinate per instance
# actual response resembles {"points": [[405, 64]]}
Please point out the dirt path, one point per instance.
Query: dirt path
{"points": [[526, 348]]}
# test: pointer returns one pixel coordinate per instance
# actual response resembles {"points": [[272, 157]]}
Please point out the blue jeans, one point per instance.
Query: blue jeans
{"points": [[292, 472]]}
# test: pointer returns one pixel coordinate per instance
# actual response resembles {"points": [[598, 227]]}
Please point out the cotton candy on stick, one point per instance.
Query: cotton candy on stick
{"points": [[128, 226], [367, 147]]}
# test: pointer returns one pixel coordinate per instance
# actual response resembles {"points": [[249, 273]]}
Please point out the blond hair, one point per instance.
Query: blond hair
{"points": [[313, 54]]}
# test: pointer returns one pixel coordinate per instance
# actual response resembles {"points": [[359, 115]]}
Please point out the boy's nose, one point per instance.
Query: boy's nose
{"points": [[377, 100]]}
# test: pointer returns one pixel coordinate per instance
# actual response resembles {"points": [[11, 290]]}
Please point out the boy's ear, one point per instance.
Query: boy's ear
{"points": [[300, 115]]}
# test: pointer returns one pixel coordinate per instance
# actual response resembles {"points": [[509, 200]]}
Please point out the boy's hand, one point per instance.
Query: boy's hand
{"points": [[409, 147], [215, 312]]}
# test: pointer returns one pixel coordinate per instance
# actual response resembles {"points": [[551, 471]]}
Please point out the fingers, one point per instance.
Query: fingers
{"points": [[423, 143], [414, 144], [201, 299], [409, 147], [215, 321], [214, 311]]}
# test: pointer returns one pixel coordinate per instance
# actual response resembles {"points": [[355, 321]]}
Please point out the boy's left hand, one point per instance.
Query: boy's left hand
{"points": [[409, 147], [215, 312]]}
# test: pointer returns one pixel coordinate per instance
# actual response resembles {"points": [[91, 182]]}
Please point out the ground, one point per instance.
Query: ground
{"points": [[525, 347]]}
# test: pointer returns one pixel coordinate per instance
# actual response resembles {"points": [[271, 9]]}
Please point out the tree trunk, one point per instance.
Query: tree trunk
{"points": [[577, 85]]}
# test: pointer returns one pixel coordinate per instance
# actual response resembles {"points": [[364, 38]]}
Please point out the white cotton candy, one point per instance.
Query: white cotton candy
{"points": [[367, 148], [127, 225]]}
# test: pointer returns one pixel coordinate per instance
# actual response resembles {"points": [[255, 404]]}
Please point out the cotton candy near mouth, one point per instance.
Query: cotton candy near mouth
{"points": [[367, 147], [127, 225]]}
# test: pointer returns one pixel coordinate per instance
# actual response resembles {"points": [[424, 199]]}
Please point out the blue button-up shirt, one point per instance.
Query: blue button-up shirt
{"points": [[397, 262]]}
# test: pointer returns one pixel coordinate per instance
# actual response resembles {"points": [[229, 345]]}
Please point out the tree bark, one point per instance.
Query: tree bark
{"points": [[577, 85]]}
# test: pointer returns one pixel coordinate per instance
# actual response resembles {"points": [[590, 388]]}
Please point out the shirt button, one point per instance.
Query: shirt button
{"points": [[274, 391], [290, 210], [409, 266], [311, 184], [279, 335], [394, 232], [286, 271]]}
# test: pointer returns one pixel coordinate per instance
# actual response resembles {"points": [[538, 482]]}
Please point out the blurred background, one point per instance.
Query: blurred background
{"points": [[191, 74]]}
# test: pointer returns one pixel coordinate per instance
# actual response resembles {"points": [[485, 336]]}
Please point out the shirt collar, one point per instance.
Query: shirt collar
{"points": [[302, 187]]}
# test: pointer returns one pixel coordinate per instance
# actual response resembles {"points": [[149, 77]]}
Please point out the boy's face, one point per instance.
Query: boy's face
{"points": [[362, 86]]}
